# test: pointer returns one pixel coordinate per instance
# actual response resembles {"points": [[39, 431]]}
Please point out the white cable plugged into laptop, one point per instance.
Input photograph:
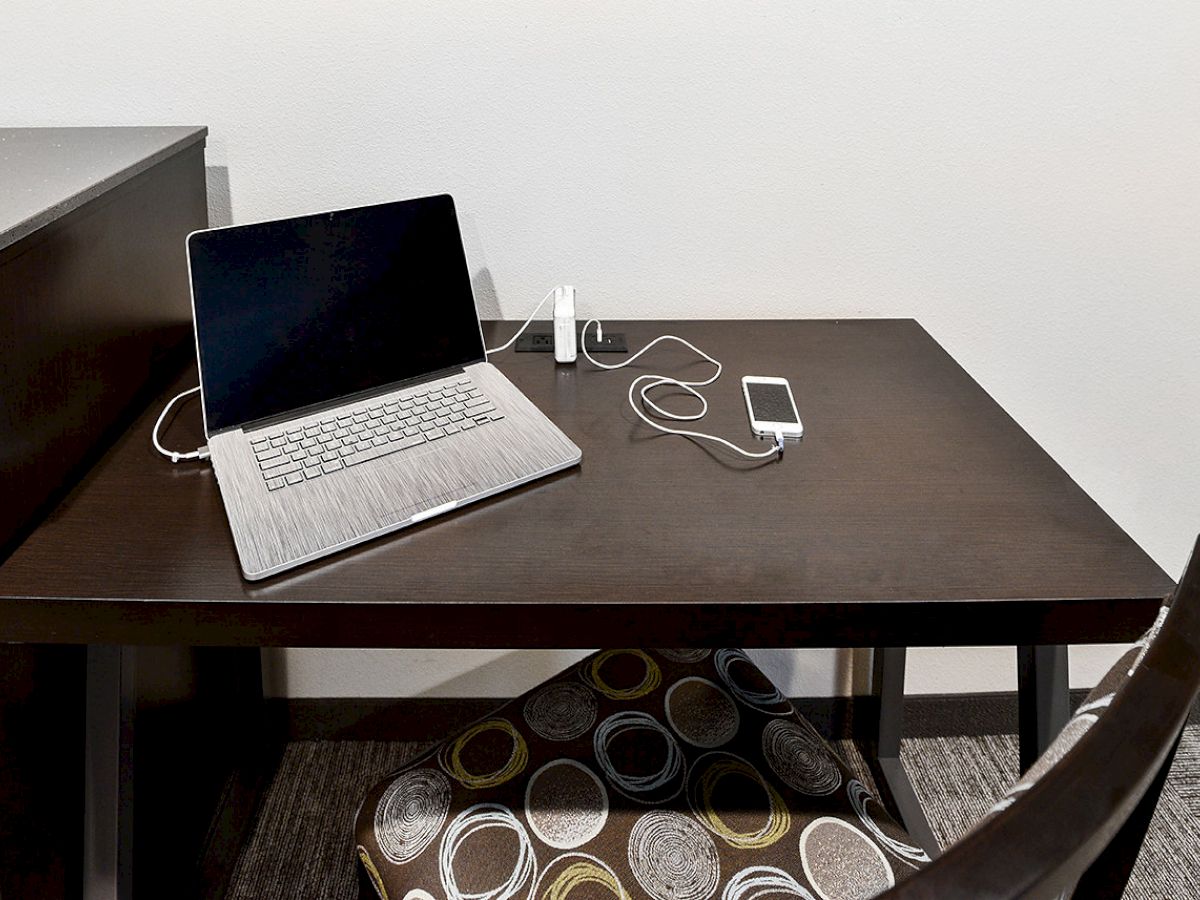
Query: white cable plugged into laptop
{"points": [[200, 453]]}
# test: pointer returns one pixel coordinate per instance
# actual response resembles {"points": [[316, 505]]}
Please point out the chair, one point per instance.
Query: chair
{"points": [[686, 775], [1074, 823]]}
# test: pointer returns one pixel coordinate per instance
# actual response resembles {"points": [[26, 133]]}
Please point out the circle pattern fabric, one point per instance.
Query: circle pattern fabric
{"points": [[561, 711], [471, 821], [842, 863], [703, 781], [800, 758], [723, 793], [750, 685], [701, 713], [593, 673], [754, 882], [673, 858], [411, 813], [577, 870], [373, 873], [565, 804], [859, 797], [684, 656], [450, 756], [654, 787]]}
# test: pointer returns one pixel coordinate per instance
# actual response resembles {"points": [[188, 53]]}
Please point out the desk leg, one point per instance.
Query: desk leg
{"points": [[887, 686], [1043, 699], [108, 773]]}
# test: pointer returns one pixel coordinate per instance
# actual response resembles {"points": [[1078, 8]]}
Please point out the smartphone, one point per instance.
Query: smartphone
{"points": [[771, 406]]}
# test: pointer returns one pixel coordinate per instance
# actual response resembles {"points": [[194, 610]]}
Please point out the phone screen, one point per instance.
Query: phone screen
{"points": [[771, 402]]}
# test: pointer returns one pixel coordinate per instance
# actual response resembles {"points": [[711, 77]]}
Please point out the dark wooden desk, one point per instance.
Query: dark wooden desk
{"points": [[914, 512]]}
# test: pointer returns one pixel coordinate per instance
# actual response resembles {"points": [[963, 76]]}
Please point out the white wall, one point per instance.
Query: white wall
{"points": [[1022, 177]]}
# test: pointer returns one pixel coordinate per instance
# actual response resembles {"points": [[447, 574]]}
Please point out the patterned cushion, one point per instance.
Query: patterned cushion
{"points": [[672, 774]]}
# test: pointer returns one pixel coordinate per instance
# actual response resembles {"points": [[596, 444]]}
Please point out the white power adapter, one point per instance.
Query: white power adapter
{"points": [[564, 324]]}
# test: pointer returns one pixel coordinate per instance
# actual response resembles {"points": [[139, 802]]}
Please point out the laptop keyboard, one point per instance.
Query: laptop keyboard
{"points": [[292, 454]]}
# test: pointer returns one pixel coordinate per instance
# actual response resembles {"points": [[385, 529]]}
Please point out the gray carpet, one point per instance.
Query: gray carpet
{"points": [[301, 850], [958, 779]]}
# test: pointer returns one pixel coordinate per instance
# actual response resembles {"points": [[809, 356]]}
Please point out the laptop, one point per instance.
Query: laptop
{"points": [[345, 387]]}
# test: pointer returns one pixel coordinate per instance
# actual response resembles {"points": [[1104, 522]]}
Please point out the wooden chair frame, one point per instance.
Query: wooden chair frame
{"points": [[1080, 826]]}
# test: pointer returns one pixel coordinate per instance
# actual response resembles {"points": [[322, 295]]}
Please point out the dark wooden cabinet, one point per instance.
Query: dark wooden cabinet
{"points": [[94, 300], [94, 317]]}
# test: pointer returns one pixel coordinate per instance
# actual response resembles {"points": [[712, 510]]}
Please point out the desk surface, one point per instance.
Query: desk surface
{"points": [[914, 512]]}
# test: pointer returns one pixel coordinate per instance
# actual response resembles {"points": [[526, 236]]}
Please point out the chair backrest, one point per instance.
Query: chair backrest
{"points": [[1080, 825]]}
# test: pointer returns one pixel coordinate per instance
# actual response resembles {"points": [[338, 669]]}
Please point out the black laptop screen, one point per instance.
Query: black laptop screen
{"points": [[304, 311]]}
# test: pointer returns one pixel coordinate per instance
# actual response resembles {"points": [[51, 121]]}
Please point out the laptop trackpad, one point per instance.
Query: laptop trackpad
{"points": [[424, 484]]}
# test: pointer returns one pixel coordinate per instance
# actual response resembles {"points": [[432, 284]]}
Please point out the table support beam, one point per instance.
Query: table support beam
{"points": [[1043, 698], [887, 687], [108, 773]]}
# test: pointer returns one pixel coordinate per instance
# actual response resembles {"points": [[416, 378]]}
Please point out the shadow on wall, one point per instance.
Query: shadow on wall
{"points": [[795, 672], [858, 663], [274, 671], [778, 665], [831, 672], [506, 676], [486, 301], [220, 206], [804, 673]]}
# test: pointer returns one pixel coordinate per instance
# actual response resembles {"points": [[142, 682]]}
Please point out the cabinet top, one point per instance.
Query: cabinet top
{"points": [[46, 173]]}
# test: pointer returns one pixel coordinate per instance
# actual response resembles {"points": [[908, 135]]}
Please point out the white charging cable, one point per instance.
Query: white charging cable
{"points": [[653, 381], [200, 453]]}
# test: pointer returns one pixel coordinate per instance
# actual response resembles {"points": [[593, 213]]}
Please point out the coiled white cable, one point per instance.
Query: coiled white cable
{"points": [[199, 453], [653, 381]]}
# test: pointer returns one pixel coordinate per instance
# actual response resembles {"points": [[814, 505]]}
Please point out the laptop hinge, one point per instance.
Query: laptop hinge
{"points": [[314, 408]]}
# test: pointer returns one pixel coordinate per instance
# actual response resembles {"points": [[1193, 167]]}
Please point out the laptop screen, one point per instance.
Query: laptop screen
{"points": [[308, 310]]}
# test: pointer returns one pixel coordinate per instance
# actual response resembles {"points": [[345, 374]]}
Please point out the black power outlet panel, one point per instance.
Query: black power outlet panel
{"points": [[543, 342]]}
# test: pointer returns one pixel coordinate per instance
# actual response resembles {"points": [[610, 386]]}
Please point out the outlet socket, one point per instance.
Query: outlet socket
{"points": [[543, 342]]}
